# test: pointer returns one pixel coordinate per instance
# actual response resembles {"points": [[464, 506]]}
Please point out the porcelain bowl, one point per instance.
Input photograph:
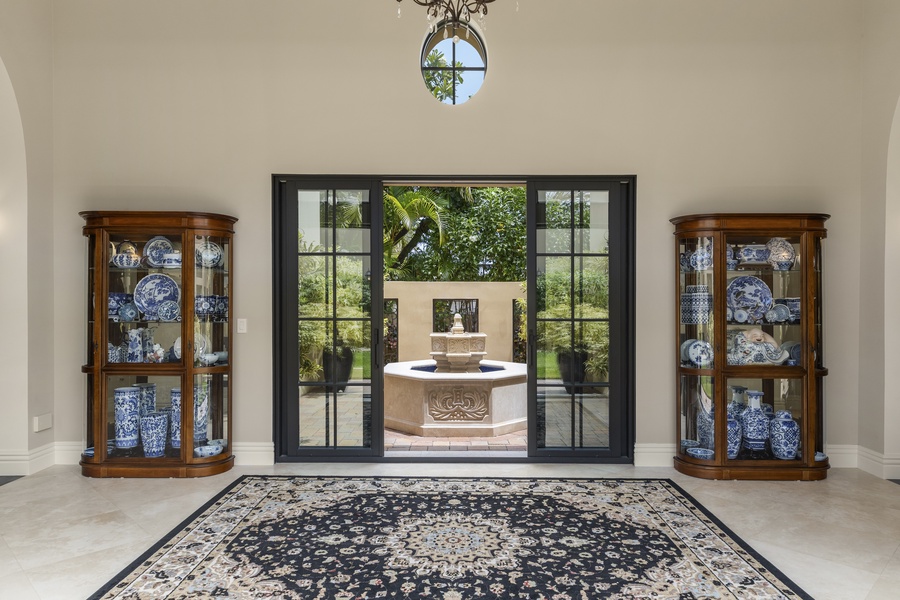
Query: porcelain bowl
{"points": [[126, 261], [207, 451], [704, 453]]}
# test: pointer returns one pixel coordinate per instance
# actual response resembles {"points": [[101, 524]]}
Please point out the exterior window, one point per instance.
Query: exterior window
{"points": [[454, 63], [443, 311]]}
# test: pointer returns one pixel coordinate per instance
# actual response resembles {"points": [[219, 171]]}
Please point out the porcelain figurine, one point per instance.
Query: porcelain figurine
{"points": [[755, 346]]}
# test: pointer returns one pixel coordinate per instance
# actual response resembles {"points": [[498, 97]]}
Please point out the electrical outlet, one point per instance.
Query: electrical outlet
{"points": [[43, 422], [242, 325]]}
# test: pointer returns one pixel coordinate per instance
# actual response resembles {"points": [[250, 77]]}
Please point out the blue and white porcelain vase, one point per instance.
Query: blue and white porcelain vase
{"points": [[135, 353], [154, 427], [128, 413], [736, 406], [706, 428], [735, 433], [175, 418], [201, 413], [784, 435], [755, 424], [148, 398]]}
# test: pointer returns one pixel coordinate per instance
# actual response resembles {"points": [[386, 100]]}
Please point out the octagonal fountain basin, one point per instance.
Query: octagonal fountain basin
{"points": [[420, 401]]}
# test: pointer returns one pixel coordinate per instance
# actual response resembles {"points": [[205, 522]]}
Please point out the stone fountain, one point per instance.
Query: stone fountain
{"points": [[456, 393]]}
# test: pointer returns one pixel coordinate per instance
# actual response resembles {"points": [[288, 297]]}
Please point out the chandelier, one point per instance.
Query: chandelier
{"points": [[452, 12]]}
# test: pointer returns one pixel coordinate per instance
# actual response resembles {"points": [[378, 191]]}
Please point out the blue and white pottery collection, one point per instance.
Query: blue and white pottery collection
{"points": [[211, 307], [152, 290], [207, 450], [126, 402], [175, 420], [735, 433], [154, 427], [172, 260], [755, 424], [784, 435], [128, 313]]}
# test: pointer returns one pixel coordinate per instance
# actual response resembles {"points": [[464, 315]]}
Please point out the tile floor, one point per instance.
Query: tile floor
{"points": [[62, 536]]}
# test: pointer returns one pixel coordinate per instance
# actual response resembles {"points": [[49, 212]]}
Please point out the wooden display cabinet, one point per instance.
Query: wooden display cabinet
{"points": [[158, 344], [748, 306]]}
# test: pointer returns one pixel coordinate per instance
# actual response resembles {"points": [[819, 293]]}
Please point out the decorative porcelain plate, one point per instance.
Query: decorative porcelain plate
{"points": [[168, 310], [209, 254], [685, 345], [700, 353], [751, 294], [780, 250], [153, 290], [701, 259], [155, 249]]}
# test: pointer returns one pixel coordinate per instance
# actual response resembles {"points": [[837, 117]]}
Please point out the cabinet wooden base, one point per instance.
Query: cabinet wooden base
{"points": [[778, 472], [112, 469]]}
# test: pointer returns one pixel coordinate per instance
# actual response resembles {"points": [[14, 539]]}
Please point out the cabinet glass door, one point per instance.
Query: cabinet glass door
{"points": [[697, 417], [765, 418], [696, 302], [145, 299], [143, 417], [764, 300]]}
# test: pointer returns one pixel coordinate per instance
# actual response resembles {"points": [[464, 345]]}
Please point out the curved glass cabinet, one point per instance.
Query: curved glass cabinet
{"points": [[159, 344], [749, 391]]}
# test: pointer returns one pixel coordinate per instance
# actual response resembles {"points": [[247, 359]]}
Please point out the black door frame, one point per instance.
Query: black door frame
{"points": [[621, 318], [622, 303]]}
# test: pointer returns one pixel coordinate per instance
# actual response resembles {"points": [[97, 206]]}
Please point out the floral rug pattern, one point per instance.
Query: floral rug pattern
{"points": [[450, 539]]}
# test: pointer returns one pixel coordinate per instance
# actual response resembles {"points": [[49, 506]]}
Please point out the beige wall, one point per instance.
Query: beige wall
{"points": [[879, 355], [415, 309], [29, 358], [715, 106]]}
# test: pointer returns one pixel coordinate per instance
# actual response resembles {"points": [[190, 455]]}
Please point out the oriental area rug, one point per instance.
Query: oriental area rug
{"points": [[352, 538]]}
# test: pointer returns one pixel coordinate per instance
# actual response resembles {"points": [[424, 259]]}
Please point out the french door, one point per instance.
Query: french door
{"points": [[328, 317], [328, 272], [580, 318]]}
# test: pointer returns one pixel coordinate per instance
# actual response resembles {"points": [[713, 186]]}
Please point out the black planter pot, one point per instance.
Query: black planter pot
{"points": [[342, 363], [571, 368]]}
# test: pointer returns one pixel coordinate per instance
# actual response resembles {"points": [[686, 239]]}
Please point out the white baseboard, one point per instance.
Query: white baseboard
{"points": [[844, 456], [254, 454], [654, 455], [26, 462], [886, 466]]}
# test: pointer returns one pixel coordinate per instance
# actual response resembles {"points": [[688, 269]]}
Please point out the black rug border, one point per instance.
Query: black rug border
{"points": [[725, 529]]}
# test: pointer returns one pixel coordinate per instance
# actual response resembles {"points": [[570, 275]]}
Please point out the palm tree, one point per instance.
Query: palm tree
{"points": [[409, 212]]}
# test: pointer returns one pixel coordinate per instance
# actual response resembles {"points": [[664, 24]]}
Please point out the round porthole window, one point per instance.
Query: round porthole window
{"points": [[454, 62]]}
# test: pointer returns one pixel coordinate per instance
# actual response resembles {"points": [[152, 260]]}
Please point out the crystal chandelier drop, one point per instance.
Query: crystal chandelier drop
{"points": [[452, 13]]}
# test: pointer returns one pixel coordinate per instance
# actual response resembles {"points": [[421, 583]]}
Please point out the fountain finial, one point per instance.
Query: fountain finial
{"points": [[458, 351]]}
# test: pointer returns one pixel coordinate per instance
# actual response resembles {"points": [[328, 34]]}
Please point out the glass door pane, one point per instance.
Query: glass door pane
{"points": [[328, 408], [572, 277]]}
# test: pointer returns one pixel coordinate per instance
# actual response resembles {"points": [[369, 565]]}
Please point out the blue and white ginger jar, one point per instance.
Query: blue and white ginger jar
{"points": [[784, 435]]}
